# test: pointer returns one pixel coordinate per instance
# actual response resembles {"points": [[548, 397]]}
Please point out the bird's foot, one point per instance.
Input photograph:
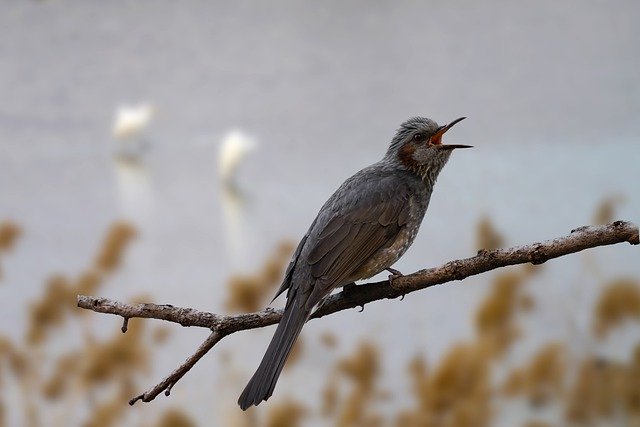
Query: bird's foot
{"points": [[395, 274]]}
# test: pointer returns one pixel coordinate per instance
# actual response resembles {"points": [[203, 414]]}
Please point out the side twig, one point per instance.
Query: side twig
{"points": [[167, 384], [357, 296]]}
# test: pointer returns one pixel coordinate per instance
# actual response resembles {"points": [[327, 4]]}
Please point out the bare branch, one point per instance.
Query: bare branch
{"points": [[357, 296], [167, 384]]}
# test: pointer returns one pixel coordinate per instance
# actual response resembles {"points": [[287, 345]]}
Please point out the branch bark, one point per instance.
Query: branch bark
{"points": [[357, 296]]}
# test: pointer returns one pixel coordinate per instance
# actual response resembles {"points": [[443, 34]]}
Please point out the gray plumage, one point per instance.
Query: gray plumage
{"points": [[364, 227]]}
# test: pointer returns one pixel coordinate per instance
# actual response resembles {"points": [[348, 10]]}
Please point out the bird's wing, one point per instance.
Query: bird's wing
{"points": [[367, 219]]}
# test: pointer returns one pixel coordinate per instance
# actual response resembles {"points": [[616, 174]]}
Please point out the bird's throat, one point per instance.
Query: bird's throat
{"points": [[427, 171], [405, 155]]}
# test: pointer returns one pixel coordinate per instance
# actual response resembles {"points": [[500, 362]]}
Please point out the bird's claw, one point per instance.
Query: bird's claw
{"points": [[395, 274], [361, 308]]}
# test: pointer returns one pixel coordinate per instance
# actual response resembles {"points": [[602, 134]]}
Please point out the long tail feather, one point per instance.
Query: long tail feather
{"points": [[261, 385]]}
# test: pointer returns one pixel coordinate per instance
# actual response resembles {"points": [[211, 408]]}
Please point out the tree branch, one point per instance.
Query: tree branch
{"points": [[357, 296], [167, 384]]}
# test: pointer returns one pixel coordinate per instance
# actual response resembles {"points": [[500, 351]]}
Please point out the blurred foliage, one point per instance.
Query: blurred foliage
{"points": [[495, 318], [536, 423], [110, 255], [175, 418], [358, 373], [59, 297], [619, 301], [604, 390], [456, 393], [101, 370], [606, 210], [541, 380], [361, 370], [48, 313], [461, 389], [285, 414], [487, 237], [328, 339], [248, 293], [9, 234]]}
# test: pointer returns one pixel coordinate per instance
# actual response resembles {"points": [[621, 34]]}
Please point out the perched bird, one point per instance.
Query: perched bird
{"points": [[364, 227], [234, 147]]}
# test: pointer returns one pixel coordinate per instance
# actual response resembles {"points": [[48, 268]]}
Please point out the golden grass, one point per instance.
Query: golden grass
{"points": [[495, 318], [487, 237], [329, 339], [175, 418], [9, 234], [111, 253], [249, 293], [542, 379], [619, 301], [285, 414]]}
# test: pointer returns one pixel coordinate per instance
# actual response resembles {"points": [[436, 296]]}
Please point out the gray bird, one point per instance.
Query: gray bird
{"points": [[363, 229]]}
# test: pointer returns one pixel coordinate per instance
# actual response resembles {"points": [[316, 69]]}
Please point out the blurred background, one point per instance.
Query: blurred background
{"points": [[175, 152]]}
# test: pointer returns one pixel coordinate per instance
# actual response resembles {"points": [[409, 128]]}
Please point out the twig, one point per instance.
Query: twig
{"points": [[167, 384], [125, 325], [356, 296]]}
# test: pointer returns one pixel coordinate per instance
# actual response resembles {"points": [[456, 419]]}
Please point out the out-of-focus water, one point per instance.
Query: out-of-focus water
{"points": [[552, 92]]}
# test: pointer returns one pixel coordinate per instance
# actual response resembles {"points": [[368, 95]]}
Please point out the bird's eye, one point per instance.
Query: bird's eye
{"points": [[417, 137]]}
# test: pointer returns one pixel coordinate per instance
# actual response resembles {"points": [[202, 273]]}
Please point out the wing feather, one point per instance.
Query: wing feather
{"points": [[354, 233], [327, 243], [329, 257]]}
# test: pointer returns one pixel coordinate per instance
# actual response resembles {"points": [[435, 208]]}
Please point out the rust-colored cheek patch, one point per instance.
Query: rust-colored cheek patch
{"points": [[405, 155]]}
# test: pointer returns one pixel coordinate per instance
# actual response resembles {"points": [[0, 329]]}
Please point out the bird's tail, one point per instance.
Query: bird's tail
{"points": [[261, 385]]}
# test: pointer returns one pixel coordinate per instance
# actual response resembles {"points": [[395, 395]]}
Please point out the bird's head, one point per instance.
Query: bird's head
{"points": [[417, 146]]}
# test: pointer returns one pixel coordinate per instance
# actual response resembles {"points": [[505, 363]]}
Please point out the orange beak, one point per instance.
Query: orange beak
{"points": [[436, 139]]}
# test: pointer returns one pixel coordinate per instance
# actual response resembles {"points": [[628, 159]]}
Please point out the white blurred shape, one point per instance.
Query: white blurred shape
{"points": [[234, 206], [129, 125], [134, 188], [234, 147], [131, 121]]}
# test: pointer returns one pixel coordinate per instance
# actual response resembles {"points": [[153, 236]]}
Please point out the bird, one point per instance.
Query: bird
{"points": [[129, 125], [363, 229], [234, 147], [135, 189]]}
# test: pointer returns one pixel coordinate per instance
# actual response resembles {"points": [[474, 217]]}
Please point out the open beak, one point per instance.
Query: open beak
{"points": [[436, 139]]}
